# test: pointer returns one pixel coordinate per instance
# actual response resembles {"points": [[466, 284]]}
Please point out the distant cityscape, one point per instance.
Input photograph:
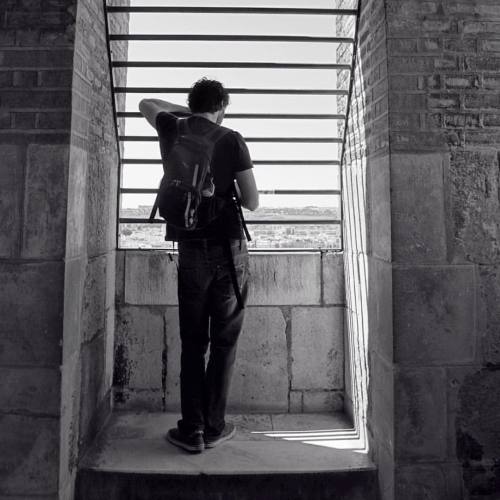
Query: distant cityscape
{"points": [[264, 236]]}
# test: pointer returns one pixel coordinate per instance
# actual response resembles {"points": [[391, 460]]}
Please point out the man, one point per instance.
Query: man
{"points": [[209, 313]]}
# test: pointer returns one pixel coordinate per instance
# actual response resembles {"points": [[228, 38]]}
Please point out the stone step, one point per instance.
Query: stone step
{"points": [[275, 457]]}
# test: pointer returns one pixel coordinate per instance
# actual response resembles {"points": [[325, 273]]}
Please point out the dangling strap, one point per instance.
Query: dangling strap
{"points": [[232, 271], [240, 212]]}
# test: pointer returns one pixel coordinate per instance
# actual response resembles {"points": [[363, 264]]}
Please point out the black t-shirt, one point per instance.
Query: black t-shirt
{"points": [[230, 156]]}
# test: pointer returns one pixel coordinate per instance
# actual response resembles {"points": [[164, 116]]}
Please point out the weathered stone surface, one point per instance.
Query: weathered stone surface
{"points": [[295, 402], [439, 481], [474, 205], [333, 278], [477, 429], [94, 299], [150, 278], [260, 377], [381, 399], [380, 207], [77, 185], [417, 206], [74, 278], [434, 315], [120, 276], [285, 279], [420, 414], [45, 204], [34, 390], [11, 196], [92, 387], [380, 313], [29, 460], [70, 411], [488, 314], [110, 279], [317, 348], [140, 337], [31, 308], [141, 399], [321, 401]]}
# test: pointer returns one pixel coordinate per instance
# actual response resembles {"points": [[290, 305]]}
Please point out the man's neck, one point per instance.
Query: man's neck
{"points": [[209, 116]]}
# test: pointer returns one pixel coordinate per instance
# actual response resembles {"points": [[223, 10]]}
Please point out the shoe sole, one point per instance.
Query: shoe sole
{"points": [[192, 448], [213, 444]]}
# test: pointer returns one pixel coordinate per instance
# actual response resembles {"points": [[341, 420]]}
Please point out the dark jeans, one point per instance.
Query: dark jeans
{"points": [[208, 314]]}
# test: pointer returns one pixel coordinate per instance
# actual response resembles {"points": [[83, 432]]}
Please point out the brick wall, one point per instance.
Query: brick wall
{"points": [[290, 353], [58, 180]]}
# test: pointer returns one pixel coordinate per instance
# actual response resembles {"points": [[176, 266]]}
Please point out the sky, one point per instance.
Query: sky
{"points": [[267, 176]]}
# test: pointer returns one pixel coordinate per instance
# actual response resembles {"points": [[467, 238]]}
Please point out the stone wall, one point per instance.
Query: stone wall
{"points": [[58, 179], [367, 245], [423, 163], [444, 78], [290, 354]]}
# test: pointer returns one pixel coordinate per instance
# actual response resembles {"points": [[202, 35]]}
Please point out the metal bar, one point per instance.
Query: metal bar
{"points": [[234, 65], [185, 90], [246, 116], [348, 109], [151, 138], [233, 10], [275, 222], [265, 191], [149, 161], [232, 38]]}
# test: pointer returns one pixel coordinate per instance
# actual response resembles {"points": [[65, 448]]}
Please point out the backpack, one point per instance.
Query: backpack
{"points": [[186, 196]]}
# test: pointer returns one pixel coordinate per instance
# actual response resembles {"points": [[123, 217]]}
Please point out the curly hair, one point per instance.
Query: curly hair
{"points": [[207, 96]]}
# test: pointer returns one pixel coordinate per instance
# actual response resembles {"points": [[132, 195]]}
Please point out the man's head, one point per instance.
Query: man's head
{"points": [[208, 96]]}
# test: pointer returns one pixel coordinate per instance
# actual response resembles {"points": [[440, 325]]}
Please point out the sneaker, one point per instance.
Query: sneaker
{"points": [[228, 432], [192, 442]]}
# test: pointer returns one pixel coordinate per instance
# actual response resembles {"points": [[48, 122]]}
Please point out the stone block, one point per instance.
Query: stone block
{"points": [[381, 399], [333, 278], [33, 390], [70, 411], [150, 278], [45, 203], [120, 276], [295, 402], [260, 378], [29, 461], [139, 345], [317, 348], [417, 206], [94, 299], [110, 279], [31, 308], [99, 195], [420, 414], [473, 181], [434, 313], [478, 408], [488, 313], [379, 197], [380, 313], [321, 401], [110, 346], [285, 279], [141, 400], [74, 278], [440, 481], [11, 196], [77, 186], [92, 387]]}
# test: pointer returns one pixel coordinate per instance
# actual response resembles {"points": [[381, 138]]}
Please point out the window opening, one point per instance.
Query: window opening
{"points": [[287, 66]]}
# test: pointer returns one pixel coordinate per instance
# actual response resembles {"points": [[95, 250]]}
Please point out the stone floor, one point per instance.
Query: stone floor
{"points": [[277, 443]]}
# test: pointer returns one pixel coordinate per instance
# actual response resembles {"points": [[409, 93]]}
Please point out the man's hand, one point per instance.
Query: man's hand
{"points": [[150, 108]]}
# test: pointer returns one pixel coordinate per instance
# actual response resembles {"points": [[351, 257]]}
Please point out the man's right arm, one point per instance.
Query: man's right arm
{"points": [[150, 108], [245, 184]]}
